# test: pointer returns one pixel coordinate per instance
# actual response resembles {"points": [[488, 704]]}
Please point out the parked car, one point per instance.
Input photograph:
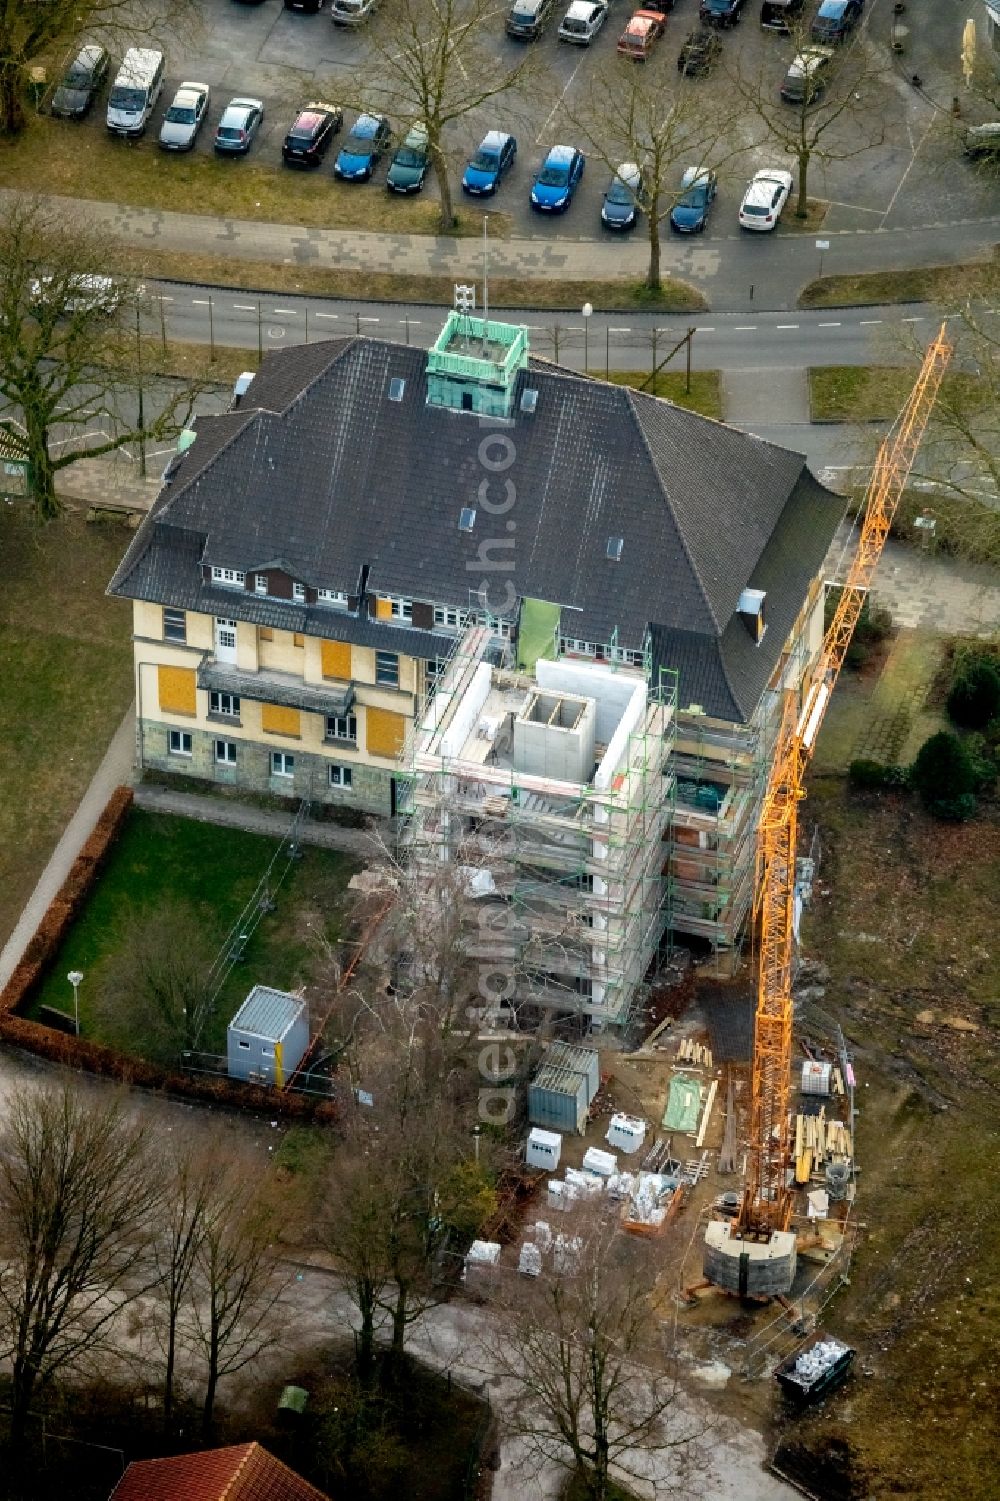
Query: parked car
{"points": [[81, 83], [134, 92], [185, 117], [721, 12], [805, 80], [312, 132], [689, 214], [620, 209], [982, 140], [351, 12], [235, 132], [527, 19], [764, 199], [835, 20], [494, 157], [362, 151], [410, 163], [780, 15], [642, 34], [699, 52], [83, 294], [582, 22], [557, 180]]}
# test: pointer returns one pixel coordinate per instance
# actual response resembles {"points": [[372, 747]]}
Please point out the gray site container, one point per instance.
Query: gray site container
{"points": [[584, 1060], [557, 1099], [268, 1036]]}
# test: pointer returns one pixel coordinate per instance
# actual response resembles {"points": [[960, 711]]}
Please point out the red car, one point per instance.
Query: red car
{"points": [[641, 34]]}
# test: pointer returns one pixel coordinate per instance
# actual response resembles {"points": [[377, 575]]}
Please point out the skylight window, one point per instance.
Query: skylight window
{"points": [[529, 400], [396, 388], [614, 552], [467, 519]]}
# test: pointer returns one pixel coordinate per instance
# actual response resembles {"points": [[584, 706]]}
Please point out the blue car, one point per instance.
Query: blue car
{"points": [[553, 188], [360, 153], [689, 214], [835, 19], [494, 157]]}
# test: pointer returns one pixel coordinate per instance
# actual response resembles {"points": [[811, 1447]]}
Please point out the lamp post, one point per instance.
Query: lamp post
{"points": [[75, 978], [587, 311]]}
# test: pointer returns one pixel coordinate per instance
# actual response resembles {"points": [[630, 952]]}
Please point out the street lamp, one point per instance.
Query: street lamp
{"points": [[75, 978], [587, 310]]}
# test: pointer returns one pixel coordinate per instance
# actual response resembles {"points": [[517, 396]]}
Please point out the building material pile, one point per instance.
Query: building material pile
{"points": [[815, 1370], [653, 1200], [684, 1101], [689, 1051]]}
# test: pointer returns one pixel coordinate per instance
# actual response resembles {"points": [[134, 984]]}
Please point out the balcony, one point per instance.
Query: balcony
{"points": [[282, 688]]}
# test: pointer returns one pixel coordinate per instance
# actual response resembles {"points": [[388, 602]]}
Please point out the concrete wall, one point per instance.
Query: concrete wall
{"points": [[552, 750]]}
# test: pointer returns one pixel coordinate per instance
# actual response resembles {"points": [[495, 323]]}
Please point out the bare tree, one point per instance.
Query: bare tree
{"points": [[429, 64], [30, 30], [68, 355], [627, 117], [235, 1282], [153, 988], [78, 1196], [833, 115], [597, 1390]]}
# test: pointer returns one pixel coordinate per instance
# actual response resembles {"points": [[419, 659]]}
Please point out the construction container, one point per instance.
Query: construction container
{"points": [[543, 1149], [558, 1097], [582, 1060], [815, 1369], [626, 1132], [816, 1077], [267, 1038], [604, 1164]]}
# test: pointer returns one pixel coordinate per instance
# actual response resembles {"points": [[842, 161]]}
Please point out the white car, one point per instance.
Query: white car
{"points": [[582, 22], [84, 294], [185, 117], [764, 199]]}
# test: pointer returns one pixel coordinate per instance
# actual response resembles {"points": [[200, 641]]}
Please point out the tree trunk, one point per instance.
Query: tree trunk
{"points": [[446, 222], [802, 203], [22, 1391], [399, 1321], [42, 474], [653, 274], [366, 1334], [211, 1385], [11, 99], [168, 1377]]}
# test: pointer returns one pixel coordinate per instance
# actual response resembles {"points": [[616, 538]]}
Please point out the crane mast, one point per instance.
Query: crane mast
{"points": [[767, 1203]]}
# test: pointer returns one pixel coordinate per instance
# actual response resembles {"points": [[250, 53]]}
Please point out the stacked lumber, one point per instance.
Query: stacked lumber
{"points": [[689, 1051], [819, 1140]]}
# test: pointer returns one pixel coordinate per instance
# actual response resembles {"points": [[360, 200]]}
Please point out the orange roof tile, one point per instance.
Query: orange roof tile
{"points": [[241, 1472]]}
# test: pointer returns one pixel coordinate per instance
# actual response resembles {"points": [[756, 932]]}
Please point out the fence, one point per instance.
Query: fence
{"points": [[309, 1082]]}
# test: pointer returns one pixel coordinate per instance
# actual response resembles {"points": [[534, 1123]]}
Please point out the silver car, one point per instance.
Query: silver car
{"points": [[185, 117], [582, 22], [351, 12]]}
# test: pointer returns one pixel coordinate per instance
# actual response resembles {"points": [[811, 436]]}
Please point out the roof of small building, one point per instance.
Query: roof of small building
{"points": [[240, 1472], [318, 467], [267, 1013]]}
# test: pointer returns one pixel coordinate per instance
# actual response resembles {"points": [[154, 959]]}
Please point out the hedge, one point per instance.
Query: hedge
{"points": [[95, 1057]]}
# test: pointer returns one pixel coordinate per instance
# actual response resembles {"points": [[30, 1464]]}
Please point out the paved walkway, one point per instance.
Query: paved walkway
{"points": [[109, 483], [760, 398], [229, 814], [115, 769]]}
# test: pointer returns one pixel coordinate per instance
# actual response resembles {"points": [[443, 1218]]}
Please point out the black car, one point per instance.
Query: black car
{"points": [[309, 139], [309, 6], [698, 54], [720, 12], [780, 15], [81, 82]]}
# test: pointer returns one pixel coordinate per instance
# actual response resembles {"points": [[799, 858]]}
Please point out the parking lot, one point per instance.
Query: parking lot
{"points": [[286, 58]]}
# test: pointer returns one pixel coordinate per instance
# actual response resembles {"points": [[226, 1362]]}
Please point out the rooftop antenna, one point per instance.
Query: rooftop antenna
{"points": [[465, 304], [486, 280]]}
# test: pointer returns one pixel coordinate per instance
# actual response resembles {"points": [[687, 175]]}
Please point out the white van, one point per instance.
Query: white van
{"points": [[135, 91]]}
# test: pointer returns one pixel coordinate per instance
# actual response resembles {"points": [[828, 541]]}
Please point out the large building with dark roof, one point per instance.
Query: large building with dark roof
{"points": [[317, 554]]}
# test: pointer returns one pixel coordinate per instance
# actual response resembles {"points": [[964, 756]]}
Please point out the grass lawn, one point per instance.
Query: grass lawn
{"points": [[875, 393], [705, 395], [46, 156], [65, 682], [816, 211], [883, 715], [160, 858], [921, 284]]}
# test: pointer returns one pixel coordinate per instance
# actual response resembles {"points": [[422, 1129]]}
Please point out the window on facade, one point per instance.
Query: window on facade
{"points": [[224, 703], [241, 1044], [334, 597], [341, 776], [443, 615], [174, 625], [225, 752], [180, 743], [387, 668], [299, 593], [282, 764], [267, 1052], [260, 583], [402, 609], [435, 668], [231, 577], [341, 727]]}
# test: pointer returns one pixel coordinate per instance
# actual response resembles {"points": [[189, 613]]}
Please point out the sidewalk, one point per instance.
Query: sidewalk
{"points": [[234, 815], [115, 769], [109, 484]]}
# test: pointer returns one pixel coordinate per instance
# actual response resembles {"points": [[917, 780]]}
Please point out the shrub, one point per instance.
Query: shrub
{"points": [[870, 776], [984, 761], [873, 627], [974, 696], [945, 777]]}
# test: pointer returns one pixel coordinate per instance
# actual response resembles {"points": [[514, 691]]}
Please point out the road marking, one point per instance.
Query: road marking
{"points": [[555, 108], [201, 301], [619, 330], [334, 316], [779, 327], [283, 312], [911, 320], [745, 328], [699, 330], [245, 307], [162, 297], [363, 319], [869, 322], [828, 325]]}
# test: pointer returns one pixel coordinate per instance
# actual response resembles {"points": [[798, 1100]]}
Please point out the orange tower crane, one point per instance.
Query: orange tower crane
{"points": [[766, 1204]]}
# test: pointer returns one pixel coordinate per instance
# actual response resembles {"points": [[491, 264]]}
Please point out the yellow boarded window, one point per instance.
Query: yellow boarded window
{"points": [[336, 657], [265, 633], [383, 609], [385, 732], [277, 720], [298, 640], [176, 688]]}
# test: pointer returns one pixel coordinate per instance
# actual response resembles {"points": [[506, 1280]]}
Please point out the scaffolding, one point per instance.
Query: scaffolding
{"points": [[556, 788]]}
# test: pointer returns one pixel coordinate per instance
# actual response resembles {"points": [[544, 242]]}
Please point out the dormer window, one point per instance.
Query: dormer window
{"points": [[230, 578], [299, 593], [260, 583], [333, 597], [751, 611], [402, 609]]}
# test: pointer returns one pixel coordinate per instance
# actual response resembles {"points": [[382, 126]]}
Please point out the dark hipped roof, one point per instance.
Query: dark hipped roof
{"points": [[318, 468]]}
